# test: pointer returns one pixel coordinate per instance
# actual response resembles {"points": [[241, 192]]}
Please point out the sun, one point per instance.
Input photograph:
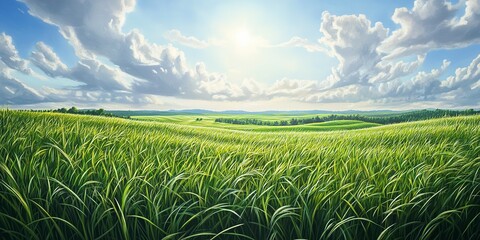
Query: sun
{"points": [[242, 38]]}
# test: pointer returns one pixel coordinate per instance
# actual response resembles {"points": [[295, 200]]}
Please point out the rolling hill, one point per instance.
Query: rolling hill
{"points": [[87, 177]]}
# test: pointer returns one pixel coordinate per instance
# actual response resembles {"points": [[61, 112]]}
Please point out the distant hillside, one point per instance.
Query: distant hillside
{"points": [[372, 118], [238, 112]]}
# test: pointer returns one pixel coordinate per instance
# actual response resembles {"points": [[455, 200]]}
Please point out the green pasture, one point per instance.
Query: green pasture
{"points": [[84, 177], [209, 121]]}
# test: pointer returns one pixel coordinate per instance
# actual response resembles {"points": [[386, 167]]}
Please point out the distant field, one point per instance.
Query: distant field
{"points": [[262, 119], [209, 121], [187, 118], [68, 176], [326, 126]]}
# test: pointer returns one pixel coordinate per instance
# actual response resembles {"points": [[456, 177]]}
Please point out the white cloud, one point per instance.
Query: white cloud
{"points": [[353, 40], [350, 93], [215, 86], [464, 87], [369, 67], [433, 24], [302, 43], [464, 77], [175, 35], [9, 55], [363, 73], [292, 88], [94, 28], [98, 76], [13, 91], [47, 60], [388, 71], [90, 72], [423, 86]]}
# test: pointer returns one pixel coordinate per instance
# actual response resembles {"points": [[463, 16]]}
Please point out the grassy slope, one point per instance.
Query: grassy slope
{"points": [[208, 120], [90, 176], [318, 127]]}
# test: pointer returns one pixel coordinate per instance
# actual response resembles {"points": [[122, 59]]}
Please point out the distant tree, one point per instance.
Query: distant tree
{"points": [[294, 121], [73, 110], [100, 112]]}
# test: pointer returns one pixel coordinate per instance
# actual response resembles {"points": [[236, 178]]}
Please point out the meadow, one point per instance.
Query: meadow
{"points": [[208, 120], [88, 177]]}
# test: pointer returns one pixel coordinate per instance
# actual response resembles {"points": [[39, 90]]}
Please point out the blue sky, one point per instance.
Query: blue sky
{"points": [[250, 55]]}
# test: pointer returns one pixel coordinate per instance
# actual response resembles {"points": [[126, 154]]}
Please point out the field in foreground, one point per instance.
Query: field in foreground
{"points": [[68, 176]]}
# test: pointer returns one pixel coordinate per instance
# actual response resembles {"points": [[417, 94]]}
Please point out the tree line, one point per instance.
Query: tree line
{"points": [[75, 110], [387, 119]]}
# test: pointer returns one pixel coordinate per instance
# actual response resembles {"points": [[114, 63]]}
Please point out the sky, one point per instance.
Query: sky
{"points": [[240, 55]]}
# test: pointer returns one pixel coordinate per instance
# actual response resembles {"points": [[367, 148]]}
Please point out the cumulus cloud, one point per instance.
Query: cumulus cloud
{"points": [[353, 40], [433, 24], [13, 91], [422, 86], [464, 87], [464, 77], [388, 71], [94, 28], [369, 64], [9, 55], [175, 35], [90, 26], [215, 86], [366, 69], [98, 76], [363, 72], [93, 74], [115, 86], [366, 73], [47, 60], [349, 93], [460, 89], [293, 88]]}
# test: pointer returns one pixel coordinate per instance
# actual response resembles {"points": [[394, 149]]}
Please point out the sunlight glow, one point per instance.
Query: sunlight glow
{"points": [[242, 38]]}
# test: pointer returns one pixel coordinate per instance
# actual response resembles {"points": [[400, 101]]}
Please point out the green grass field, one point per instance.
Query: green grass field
{"points": [[190, 118], [84, 177], [208, 120]]}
